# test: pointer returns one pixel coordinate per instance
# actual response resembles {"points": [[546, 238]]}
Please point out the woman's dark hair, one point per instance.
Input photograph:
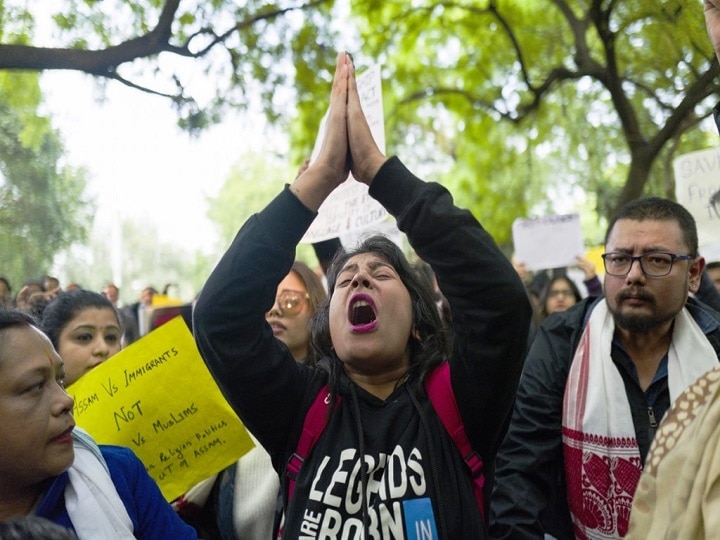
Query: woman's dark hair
{"points": [[312, 283], [431, 344], [13, 318], [66, 307], [318, 296]]}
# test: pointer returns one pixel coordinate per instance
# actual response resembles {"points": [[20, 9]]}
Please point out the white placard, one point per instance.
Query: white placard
{"points": [[349, 207], [697, 179], [548, 242]]}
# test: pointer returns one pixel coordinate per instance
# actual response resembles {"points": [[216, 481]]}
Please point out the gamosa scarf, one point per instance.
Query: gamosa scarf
{"points": [[602, 460]]}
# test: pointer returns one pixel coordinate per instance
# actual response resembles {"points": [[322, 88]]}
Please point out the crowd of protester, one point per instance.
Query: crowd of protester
{"points": [[576, 412]]}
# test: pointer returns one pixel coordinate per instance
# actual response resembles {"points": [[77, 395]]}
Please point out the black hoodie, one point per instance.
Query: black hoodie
{"points": [[417, 480]]}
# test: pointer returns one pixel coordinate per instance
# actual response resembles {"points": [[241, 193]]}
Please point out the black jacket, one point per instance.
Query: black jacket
{"points": [[412, 459], [529, 497]]}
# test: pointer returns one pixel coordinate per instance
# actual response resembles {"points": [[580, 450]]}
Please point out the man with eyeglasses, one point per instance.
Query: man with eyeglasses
{"points": [[599, 378]]}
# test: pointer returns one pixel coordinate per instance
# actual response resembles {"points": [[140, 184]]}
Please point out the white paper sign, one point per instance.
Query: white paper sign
{"points": [[548, 242], [697, 179], [349, 207]]}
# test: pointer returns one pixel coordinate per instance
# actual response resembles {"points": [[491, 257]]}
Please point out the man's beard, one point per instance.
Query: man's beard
{"points": [[638, 324]]}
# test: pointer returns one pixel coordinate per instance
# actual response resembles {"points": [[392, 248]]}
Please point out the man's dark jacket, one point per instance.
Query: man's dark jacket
{"points": [[530, 494]]}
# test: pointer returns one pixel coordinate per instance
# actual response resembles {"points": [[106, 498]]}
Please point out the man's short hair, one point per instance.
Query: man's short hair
{"points": [[659, 209]]}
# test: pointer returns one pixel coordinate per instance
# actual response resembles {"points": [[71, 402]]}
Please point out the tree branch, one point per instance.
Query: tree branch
{"points": [[105, 62]]}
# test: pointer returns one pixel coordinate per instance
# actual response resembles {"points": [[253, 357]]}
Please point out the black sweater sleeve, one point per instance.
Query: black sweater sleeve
{"points": [[255, 372], [490, 310], [259, 377]]}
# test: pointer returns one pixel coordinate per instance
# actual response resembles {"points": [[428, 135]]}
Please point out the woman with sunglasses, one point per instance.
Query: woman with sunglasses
{"points": [[242, 500], [247, 497], [298, 296]]}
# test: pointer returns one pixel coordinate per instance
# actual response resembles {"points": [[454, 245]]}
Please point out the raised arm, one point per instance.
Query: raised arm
{"points": [[490, 310], [330, 168], [255, 372]]}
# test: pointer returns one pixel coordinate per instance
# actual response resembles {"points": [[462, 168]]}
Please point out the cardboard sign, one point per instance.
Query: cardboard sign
{"points": [[697, 179], [548, 242], [158, 398], [349, 207]]}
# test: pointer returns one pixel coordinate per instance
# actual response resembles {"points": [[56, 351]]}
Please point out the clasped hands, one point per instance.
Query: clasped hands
{"points": [[347, 145]]}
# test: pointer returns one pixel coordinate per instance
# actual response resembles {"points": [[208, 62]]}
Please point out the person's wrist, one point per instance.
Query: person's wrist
{"points": [[314, 185], [370, 167]]}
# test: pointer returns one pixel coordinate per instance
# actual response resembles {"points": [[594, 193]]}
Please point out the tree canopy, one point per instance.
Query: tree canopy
{"points": [[248, 48], [527, 95], [43, 206], [519, 105]]}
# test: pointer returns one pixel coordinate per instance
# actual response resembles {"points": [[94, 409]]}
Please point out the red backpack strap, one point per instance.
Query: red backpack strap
{"points": [[315, 423], [439, 390]]}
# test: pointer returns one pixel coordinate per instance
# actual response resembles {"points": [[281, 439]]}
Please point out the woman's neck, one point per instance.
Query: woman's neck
{"points": [[380, 385], [17, 503]]}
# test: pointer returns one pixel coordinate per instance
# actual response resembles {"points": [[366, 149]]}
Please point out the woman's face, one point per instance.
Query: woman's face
{"points": [[371, 316], [87, 340], [289, 317], [35, 411], [560, 296]]}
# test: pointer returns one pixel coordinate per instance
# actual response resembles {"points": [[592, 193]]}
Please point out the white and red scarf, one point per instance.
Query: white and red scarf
{"points": [[602, 459]]}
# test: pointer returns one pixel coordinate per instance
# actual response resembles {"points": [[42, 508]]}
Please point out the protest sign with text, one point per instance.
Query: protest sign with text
{"points": [[157, 398], [548, 242], [697, 179]]}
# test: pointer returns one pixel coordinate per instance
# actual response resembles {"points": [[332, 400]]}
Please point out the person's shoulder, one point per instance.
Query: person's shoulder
{"points": [[562, 330], [119, 457], [694, 305], [573, 318], [707, 318]]}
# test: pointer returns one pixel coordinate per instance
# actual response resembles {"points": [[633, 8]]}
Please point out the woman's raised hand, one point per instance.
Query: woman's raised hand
{"points": [[330, 168], [365, 157]]}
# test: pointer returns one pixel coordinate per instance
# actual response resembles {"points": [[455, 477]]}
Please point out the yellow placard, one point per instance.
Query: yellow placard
{"points": [[594, 255], [158, 398]]}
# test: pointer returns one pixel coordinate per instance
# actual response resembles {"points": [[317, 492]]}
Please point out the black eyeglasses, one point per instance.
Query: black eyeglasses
{"points": [[653, 264], [290, 302]]}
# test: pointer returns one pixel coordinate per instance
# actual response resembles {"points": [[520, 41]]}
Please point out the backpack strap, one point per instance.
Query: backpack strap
{"points": [[439, 390], [315, 423]]}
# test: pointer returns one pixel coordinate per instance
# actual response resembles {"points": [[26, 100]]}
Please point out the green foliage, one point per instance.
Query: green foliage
{"points": [[521, 107], [252, 183], [43, 208], [249, 50], [542, 105]]}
